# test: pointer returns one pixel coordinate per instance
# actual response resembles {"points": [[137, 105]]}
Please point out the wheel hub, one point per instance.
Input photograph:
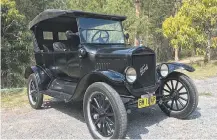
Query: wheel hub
{"points": [[96, 116], [175, 94]]}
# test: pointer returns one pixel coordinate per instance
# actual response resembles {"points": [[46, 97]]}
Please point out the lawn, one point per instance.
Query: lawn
{"points": [[16, 98], [202, 70]]}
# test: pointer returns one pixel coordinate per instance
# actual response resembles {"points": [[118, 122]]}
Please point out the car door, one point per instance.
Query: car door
{"points": [[73, 64]]}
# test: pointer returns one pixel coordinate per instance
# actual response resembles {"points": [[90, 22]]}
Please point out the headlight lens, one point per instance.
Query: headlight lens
{"points": [[164, 70], [130, 74]]}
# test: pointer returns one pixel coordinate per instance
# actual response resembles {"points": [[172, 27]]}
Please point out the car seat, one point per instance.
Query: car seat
{"points": [[59, 47]]}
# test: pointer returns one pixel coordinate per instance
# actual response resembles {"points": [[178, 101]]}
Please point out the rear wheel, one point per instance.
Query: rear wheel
{"points": [[179, 96], [104, 112], [34, 96]]}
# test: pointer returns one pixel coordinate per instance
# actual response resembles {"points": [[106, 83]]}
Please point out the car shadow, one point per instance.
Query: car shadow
{"points": [[138, 120], [72, 109]]}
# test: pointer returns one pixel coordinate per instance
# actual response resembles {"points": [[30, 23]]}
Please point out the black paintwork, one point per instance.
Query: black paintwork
{"points": [[67, 74]]}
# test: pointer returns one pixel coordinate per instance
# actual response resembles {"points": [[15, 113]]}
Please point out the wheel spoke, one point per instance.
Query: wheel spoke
{"points": [[107, 107], [177, 82], [172, 84], [103, 101], [180, 88], [109, 120], [95, 108], [171, 107], [166, 90], [105, 132], [183, 98], [183, 93], [101, 126], [168, 87], [181, 103], [109, 127], [32, 92], [97, 121], [32, 87], [177, 106], [97, 103]]}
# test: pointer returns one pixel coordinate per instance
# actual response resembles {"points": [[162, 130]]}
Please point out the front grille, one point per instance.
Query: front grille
{"points": [[145, 66]]}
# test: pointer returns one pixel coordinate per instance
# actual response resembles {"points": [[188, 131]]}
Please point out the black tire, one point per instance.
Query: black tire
{"points": [[35, 100], [191, 95], [105, 91]]}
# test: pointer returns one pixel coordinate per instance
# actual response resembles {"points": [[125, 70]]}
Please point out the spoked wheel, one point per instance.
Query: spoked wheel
{"points": [[101, 114], [35, 98], [104, 112], [179, 96]]}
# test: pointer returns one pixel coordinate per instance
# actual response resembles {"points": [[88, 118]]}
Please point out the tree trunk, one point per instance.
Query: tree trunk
{"points": [[137, 6], [178, 4], [208, 49], [176, 54]]}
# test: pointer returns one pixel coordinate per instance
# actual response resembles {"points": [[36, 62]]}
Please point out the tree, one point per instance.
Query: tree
{"points": [[193, 26], [137, 7], [14, 47]]}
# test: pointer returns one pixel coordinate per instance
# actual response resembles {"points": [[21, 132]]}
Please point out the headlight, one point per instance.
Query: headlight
{"points": [[130, 74], [164, 70]]}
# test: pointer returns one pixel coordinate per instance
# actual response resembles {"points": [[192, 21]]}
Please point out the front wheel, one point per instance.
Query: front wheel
{"points": [[104, 112], [179, 96]]}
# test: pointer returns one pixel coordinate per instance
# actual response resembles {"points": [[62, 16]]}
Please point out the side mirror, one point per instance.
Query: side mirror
{"points": [[127, 36]]}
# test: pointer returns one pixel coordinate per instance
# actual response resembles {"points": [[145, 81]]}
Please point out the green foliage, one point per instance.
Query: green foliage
{"points": [[14, 47], [193, 25], [188, 29]]}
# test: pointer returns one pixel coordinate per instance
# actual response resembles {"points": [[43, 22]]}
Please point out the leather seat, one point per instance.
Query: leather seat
{"points": [[59, 47], [46, 49]]}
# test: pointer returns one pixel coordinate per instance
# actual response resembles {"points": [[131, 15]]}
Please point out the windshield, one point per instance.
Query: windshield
{"points": [[100, 31]]}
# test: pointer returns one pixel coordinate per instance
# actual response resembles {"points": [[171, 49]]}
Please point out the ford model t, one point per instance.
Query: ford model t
{"points": [[82, 56]]}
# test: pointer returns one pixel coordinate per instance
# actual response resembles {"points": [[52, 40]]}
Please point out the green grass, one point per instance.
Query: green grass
{"points": [[202, 70], [15, 98], [205, 94]]}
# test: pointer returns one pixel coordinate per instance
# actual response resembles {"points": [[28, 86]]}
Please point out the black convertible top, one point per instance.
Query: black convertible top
{"points": [[54, 13]]}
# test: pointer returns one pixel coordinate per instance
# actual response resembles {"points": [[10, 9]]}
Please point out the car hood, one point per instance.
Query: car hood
{"points": [[123, 51]]}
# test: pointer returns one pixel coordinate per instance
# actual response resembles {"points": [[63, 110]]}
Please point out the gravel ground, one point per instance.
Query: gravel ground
{"points": [[59, 120]]}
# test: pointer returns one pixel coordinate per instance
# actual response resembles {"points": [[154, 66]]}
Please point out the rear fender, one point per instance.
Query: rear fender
{"points": [[113, 78], [42, 76]]}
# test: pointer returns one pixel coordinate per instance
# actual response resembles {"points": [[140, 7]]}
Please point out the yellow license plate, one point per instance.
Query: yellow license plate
{"points": [[146, 101]]}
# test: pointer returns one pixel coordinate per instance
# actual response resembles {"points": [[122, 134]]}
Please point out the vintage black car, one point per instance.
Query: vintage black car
{"points": [[82, 56]]}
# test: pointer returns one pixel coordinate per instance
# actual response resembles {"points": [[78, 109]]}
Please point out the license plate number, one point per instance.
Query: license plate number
{"points": [[146, 101]]}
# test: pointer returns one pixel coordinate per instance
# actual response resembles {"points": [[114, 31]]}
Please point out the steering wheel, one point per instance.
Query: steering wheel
{"points": [[100, 37]]}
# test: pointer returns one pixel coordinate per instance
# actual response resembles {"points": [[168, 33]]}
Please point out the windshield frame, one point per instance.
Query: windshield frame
{"points": [[80, 29]]}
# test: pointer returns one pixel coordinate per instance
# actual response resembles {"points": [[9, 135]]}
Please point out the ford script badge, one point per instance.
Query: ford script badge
{"points": [[143, 69]]}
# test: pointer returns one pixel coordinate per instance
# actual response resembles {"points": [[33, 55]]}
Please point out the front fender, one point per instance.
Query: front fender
{"points": [[109, 76], [175, 66]]}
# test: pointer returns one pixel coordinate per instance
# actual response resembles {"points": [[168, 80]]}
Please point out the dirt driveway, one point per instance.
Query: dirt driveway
{"points": [[58, 120]]}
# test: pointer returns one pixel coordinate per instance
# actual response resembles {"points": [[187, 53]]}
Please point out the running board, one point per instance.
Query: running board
{"points": [[56, 94]]}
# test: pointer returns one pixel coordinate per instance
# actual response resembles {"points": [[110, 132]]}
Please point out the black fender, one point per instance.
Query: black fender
{"points": [[42, 76], [175, 66], [111, 77]]}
